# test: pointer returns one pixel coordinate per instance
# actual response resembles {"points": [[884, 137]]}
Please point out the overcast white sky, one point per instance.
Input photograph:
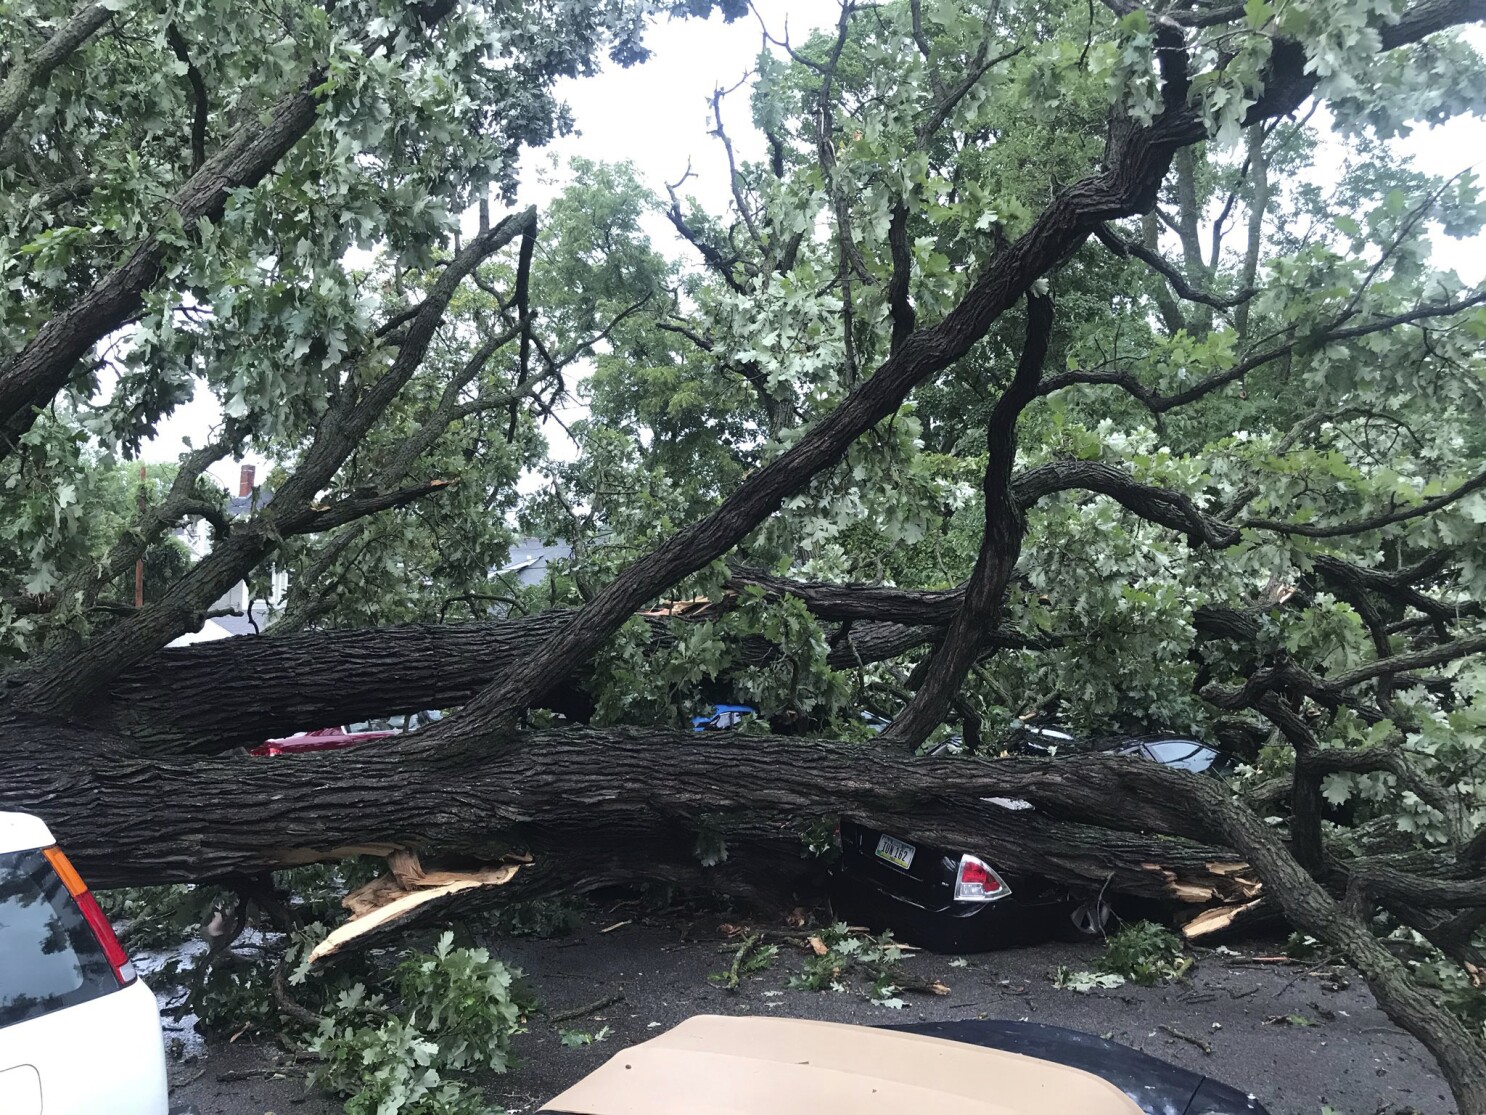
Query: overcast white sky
{"points": [[657, 116]]}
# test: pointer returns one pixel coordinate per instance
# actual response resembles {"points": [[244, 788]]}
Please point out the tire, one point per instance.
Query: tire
{"points": [[1089, 919]]}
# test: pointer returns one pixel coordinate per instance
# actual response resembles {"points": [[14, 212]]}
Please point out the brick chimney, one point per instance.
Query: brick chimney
{"points": [[245, 483]]}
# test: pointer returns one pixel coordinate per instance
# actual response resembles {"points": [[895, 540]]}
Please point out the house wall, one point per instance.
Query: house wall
{"points": [[236, 597]]}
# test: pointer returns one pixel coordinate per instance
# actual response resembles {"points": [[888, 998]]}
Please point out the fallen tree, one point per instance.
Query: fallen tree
{"points": [[176, 701], [1314, 577], [231, 816]]}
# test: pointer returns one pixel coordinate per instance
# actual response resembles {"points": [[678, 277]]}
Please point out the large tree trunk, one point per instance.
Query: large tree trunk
{"points": [[593, 806], [213, 697], [580, 798]]}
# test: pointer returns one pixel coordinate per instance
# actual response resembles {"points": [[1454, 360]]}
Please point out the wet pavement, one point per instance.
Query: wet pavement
{"points": [[1348, 1056]]}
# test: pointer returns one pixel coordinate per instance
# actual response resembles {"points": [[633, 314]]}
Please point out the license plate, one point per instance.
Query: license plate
{"points": [[895, 851]]}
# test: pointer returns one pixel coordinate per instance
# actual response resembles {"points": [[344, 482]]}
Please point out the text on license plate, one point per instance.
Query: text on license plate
{"points": [[894, 850]]}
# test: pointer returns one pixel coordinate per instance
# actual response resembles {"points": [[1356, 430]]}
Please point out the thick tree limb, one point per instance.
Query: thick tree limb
{"points": [[28, 75], [851, 601], [396, 792], [43, 366], [56, 684], [1392, 884], [899, 305], [212, 697], [1001, 544], [1158, 505]]}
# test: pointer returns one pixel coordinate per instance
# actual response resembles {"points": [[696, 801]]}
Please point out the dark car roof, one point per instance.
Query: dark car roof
{"points": [[1159, 1087]]}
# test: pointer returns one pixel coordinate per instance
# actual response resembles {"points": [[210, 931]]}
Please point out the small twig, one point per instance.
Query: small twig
{"points": [[735, 973], [192, 1079], [616, 925], [921, 986], [590, 1008], [1188, 1038], [285, 1002], [1302, 975], [250, 1074]]}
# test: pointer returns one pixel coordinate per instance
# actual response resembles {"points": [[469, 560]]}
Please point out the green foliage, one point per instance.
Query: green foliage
{"points": [[644, 680], [1145, 953], [750, 956], [853, 957], [453, 1015], [539, 918], [273, 306], [161, 915], [1069, 979], [231, 995], [711, 846], [1142, 953], [577, 1039], [821, 840]]}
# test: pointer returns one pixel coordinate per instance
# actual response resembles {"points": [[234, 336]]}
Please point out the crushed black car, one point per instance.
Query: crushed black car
{"points": [[955, 899], [952, 901]]}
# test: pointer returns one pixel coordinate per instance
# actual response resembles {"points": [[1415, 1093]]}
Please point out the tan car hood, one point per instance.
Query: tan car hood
{"points": [[715, 1065]]}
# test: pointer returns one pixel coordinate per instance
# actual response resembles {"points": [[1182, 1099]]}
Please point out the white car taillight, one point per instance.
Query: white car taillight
{"points": [[118, 959], [977, 881]]}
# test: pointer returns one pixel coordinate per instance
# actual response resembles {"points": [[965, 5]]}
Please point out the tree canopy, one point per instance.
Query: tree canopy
{"points": [[1087, 362]]}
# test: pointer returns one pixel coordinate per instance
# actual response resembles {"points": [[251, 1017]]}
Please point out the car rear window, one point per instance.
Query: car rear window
{"points": [[1185, 754], [49, 958]]}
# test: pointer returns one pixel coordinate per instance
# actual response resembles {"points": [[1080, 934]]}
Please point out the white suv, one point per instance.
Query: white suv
{"points": [[79, 1031]]}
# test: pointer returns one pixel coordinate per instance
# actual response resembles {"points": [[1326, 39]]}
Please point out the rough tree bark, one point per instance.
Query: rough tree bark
{"points": [[591, 802], [638, 796], [213, 697], [625, 804]]}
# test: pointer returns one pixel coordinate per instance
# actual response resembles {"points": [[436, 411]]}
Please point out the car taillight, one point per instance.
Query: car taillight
{"points": [[93, 914], [976, 881]]}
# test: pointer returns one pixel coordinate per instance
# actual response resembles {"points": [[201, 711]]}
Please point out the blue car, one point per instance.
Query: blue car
{"points": [[721, 718]]}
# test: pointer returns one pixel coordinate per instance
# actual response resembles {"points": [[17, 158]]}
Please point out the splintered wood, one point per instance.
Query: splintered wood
{"points": [[405, 888], [1218, 919], [1235, 885]]}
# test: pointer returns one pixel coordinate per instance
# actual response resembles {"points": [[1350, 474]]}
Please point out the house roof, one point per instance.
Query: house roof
{"points": [[242, 625], [225, 627], [240, 507], [529, 558]]}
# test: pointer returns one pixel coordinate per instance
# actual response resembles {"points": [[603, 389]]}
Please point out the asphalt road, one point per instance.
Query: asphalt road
{"points": [[1352, 1058]]}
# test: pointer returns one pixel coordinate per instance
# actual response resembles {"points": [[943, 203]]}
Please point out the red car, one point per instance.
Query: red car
{"points": [[322, 739]]}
